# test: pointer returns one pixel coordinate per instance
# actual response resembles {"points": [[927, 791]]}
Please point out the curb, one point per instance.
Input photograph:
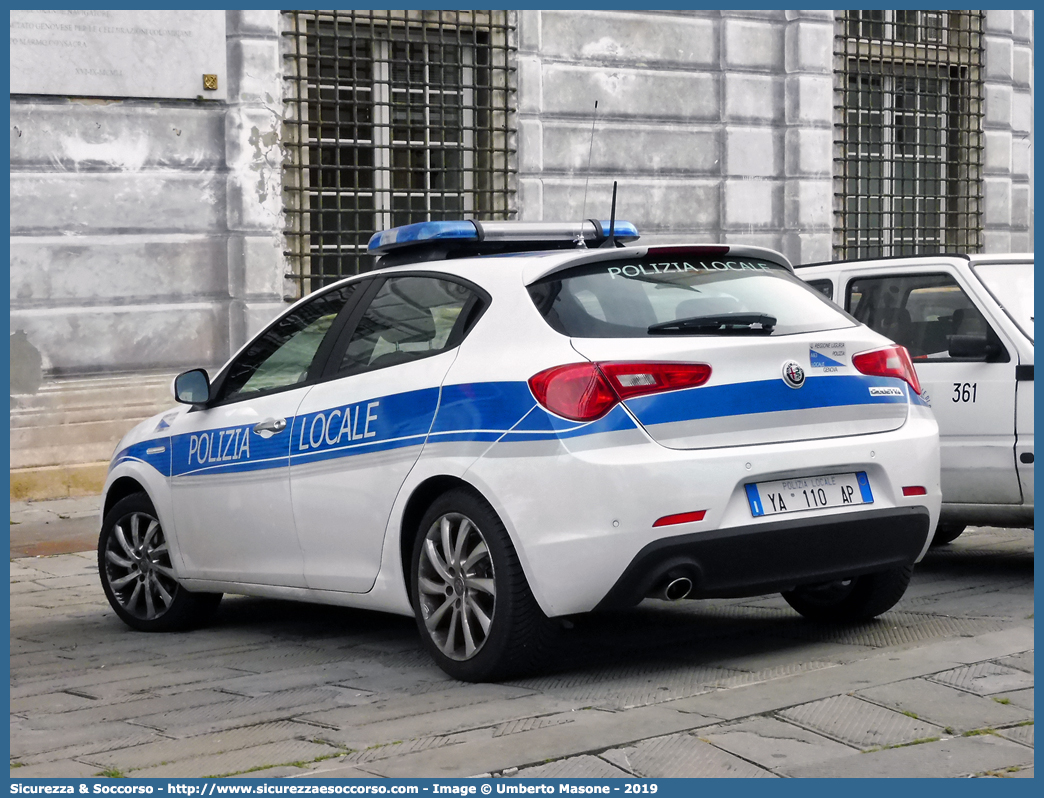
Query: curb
{"points": [[58, 482]]}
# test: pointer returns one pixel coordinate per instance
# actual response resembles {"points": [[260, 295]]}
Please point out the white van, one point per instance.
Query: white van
{"points": [[967, 321]]}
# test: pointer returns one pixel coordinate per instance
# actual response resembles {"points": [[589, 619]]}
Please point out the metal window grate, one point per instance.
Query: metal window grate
{"points": [[394, 117], [909, 154]]}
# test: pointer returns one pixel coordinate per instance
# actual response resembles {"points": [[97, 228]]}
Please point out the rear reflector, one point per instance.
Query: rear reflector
{"points": [[914, 490], [681, 518], [892, 361]]}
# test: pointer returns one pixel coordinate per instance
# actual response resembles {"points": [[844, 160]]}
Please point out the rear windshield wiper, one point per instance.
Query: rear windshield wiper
{"points": [[721, 324]]}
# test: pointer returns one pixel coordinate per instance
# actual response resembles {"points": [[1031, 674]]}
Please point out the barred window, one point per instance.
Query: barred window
{"points": [[394, 117], [908, 163]]}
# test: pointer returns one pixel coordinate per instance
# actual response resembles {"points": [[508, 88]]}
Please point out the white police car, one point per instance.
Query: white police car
{"points": [[967, 321], [510, 422]]}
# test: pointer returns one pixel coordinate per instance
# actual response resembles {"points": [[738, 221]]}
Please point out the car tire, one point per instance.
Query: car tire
{"points": [[136, 573], [947, 533], [858, 599], [474, 609]]}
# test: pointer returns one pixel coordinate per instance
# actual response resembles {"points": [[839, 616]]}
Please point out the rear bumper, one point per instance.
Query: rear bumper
{"points": [[767, 558], [580, 510]]}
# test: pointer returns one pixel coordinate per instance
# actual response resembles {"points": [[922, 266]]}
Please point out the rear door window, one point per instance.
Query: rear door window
{"points": [[687, 296], [410, 318]]}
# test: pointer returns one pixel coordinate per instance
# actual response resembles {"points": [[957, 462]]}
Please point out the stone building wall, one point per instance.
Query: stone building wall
{"points": [[145, 239], [717, 125], [1008, 130]]}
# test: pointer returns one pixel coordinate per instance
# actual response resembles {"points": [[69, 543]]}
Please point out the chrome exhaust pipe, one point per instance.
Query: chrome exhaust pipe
{"points": [[673, 589], [678, 589]]}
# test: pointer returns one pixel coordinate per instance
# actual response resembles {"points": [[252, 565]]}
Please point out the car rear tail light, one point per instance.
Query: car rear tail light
{"points": [[915, 490], [681, 518], [892, 361], [586, 391], [578, 391], [639, 379]]}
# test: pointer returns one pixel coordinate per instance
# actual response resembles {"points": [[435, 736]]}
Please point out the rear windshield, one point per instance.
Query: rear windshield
{"points": [[693, 296], [1011, 284]]}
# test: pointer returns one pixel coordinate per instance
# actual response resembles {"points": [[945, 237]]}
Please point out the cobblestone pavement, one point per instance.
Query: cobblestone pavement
{"points": [[941, 686]]}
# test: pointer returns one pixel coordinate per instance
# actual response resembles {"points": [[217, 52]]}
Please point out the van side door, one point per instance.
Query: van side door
{"points": [[965, 367]]}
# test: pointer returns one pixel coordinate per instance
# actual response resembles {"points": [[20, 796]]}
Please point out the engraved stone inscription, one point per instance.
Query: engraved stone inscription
{"points": [[118, 53]]}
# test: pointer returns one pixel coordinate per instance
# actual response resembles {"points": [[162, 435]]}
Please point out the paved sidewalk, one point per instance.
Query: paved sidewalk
{"points": [[941, 686], [58, 526]]}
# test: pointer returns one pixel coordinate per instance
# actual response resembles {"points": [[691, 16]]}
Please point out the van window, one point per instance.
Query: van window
{"points": [[825, 287], [1011, 284], [921, 312]]}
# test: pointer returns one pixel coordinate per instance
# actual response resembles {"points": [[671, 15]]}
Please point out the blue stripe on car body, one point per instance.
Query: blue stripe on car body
{"points": [[485, 411], [139, 452], [482, 406], [402, 419], [541, 425], [745, 398], [227, 450]]}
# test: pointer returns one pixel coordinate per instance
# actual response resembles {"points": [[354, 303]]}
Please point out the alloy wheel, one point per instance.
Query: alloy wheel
{"points": [[137, 566], [456, 586]]}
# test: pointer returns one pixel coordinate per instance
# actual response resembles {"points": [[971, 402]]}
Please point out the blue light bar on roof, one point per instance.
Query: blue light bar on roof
{"points": [[420, 233], [538, 235]]}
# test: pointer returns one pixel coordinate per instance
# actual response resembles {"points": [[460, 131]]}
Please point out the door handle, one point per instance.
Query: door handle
{"points": [[270, 426]]}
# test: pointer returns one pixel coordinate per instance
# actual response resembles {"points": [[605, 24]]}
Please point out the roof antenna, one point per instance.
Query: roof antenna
{"points": [[583, 214], [610, 242]]}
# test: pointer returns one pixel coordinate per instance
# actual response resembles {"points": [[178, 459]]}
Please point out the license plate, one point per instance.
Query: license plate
{"points": [[809, 493]]}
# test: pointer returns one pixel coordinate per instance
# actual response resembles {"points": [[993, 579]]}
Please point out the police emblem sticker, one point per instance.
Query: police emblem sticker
{"points": [[164, 423], [828, 356], [793, 374]]}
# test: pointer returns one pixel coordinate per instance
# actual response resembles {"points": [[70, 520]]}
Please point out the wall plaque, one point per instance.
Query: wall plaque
{"points": [[119, 53]]}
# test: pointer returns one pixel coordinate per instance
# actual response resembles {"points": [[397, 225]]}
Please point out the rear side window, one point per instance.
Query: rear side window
{"points": [[410, 318], [693, 296]]}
